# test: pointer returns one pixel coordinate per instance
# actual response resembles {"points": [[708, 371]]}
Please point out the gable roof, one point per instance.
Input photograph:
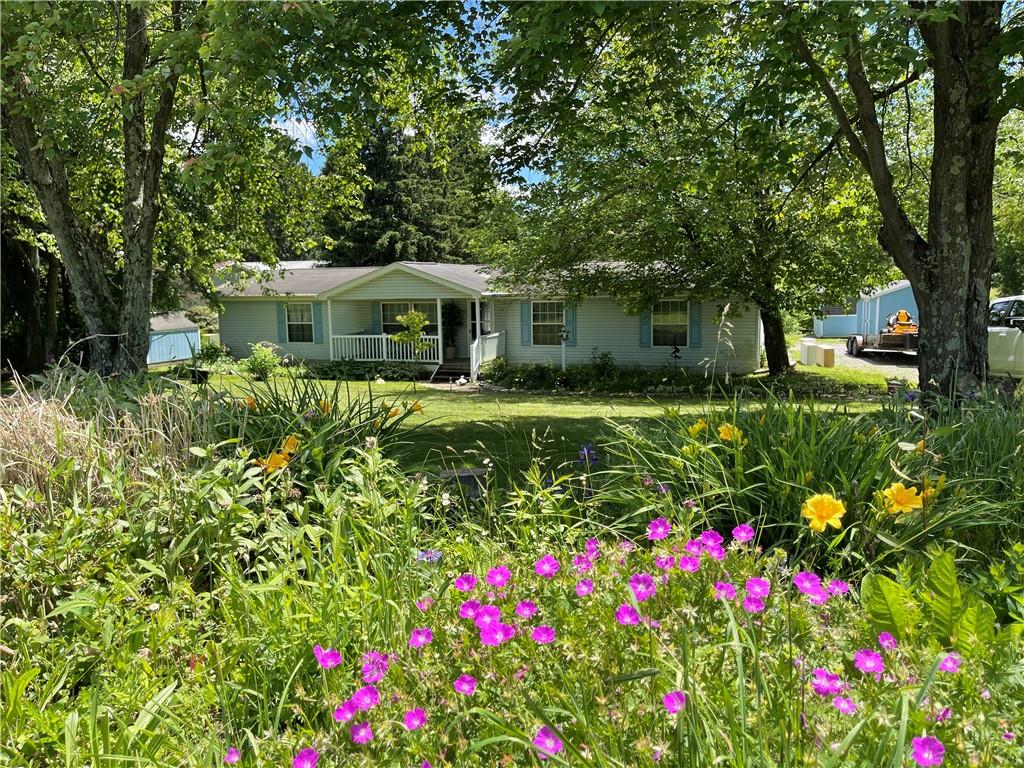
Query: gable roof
{"points": [[470, 278], [171, 321]]}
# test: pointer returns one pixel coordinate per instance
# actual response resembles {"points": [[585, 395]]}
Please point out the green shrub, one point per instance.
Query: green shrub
{"points": [[262, 362], [211, 352], [358, 370]]}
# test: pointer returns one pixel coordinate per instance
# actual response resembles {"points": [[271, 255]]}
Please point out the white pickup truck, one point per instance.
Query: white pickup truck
{"points": [[1006, 337]]}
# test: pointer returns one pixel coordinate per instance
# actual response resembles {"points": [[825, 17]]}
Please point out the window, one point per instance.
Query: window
{"points": [[548, 319], [669, 322], [300, 322], [390, 311]]}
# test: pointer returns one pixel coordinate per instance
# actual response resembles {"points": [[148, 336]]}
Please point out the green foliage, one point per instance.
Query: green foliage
{"points": [[212, 352], [360, 370], [262, 362], [415, 323]]}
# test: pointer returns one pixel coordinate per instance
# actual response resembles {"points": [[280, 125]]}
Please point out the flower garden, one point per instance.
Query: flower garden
{"points": [[200, 578]]}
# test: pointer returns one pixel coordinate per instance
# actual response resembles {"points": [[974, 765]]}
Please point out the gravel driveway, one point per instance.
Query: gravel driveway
{"points": [[891, 364]]}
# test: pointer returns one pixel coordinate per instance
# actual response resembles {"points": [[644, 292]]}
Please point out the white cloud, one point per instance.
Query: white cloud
{"points": [[300, 129]]}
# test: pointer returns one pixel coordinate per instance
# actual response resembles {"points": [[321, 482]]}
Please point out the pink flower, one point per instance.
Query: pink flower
{"points": [[825, 683], [499, 577], [366, 698], [424, 604], [375, 666], [525, 609], [817, 597], [741, 534], [710, 538], [694, 547], [689, 563], [465, 583], [950, 663], [753, 604], [886, 641], [346, 711], [497, 634], [232, 756], [593, 548], [845, 705], [643, 586], [306, 758], [547, 742], [626, 614], [465, 684], [665, 562], [582, 563], [468, 609], [543, 635], [927, 751], [674, 702], [807, 582], [724, 591], [420, 637], [715, 551], [362, 733], [658, 529], [584, 587], [869, 662], [327, 658], [487, 616], [415, 719], [837, 587], [547, 566], [759, 588]]}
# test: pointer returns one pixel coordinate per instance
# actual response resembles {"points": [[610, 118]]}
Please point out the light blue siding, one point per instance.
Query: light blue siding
{"points": [[398, 286], [873, 310], [172, 346], [244, 322], [835, 326]]}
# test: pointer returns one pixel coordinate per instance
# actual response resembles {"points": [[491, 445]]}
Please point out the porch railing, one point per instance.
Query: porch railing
{"points": [[380, 346], [485, 348]]}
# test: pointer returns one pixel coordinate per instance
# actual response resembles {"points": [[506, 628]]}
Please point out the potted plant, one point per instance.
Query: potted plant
{"points": [[451, 320]]}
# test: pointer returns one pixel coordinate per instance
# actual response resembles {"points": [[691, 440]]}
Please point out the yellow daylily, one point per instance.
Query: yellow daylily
{"points": [[900, 499], [730, 433], [325, 406], [274, 462], [417, 407], [290, 444], [823, 509], [392, 413], [250, 403], [698, 428]]}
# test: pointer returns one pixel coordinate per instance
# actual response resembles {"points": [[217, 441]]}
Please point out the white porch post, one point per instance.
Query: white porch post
{"points": [[330, 332], [440, 334], [479, 320]]}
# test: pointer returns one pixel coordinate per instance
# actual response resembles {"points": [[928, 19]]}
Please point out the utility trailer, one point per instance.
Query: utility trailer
{"points": [[885, 321], [857, 343]]}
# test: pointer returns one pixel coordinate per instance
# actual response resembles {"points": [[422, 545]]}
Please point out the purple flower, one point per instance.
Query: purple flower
{"points": [[950, 663], [807, 582], [346, 711], [547, 566], [487, 616], [825, 683], [869, 662], [724, 591], [927, 750], [424, 604], [584, 587], [665, 562], [886, 641], [715, 552], [415, 719], [663, 488], [499, 577], [420, 637], [429, 556], [710, 538], [232, 756], [845, 705], [643, 586], [694, 547], [689, 563], [465, 583], [525, 609], [375, 666], [362, 733], [838, 587], [465, 684], [306, 758], [759, 588], [543, 635], [753, 604], [547, 742], [588, 455], [626, 614], [674, 702], [497, 634], [817, 597], [327, 658], [741, 534], [593, 548], [658, 529], [469, 609], [1009, 736], [366, 698], [582, 563]]}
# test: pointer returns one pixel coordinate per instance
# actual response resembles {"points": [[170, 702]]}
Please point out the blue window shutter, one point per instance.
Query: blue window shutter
{"points": [[693, 329], [376, 324], [570, 324], [282, 323], [526, 323], [318, 322], [645, 328]]}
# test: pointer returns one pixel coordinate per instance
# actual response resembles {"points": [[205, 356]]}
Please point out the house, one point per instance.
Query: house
{"points": [[172, 338], [340, 313], [869, 316]]}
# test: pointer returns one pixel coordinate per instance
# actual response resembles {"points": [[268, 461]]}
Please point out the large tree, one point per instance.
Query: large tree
{"points": [[832, 67], [101, 89]]}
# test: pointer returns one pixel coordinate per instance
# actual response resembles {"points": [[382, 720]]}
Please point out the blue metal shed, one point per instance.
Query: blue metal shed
{"points": [[172, 338], [875, 307]]}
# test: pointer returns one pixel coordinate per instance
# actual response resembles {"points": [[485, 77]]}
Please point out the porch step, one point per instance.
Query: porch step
{"points": [[453, 369]]}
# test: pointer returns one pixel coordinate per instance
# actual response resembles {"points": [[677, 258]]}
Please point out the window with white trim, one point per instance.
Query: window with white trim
{"points": [[391, 310], [548, 318], [669, 322], [300, 322]]}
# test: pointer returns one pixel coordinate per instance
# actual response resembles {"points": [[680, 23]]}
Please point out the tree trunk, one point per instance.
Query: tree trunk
{"points": [[775, 342], [34, 355], [52, 291]]}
